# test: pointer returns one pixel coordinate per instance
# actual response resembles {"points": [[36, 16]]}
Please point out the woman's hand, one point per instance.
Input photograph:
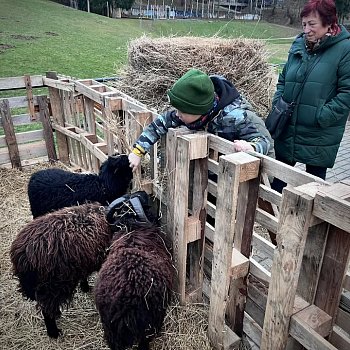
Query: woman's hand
{"points": [[134, 161], [242, 146]]}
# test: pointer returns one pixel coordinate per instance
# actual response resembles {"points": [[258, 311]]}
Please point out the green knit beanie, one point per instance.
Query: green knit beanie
{"points": [[193, 93]]}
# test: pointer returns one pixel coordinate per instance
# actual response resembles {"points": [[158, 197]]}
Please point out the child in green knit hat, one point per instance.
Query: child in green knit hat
{"points": [[208, 103]]}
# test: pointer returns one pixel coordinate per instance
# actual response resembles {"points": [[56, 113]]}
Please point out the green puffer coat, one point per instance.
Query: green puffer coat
{"points": [[316, 128]]}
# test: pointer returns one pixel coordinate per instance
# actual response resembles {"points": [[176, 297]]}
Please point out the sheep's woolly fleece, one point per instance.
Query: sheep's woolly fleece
{"points": [[154, 64], [22, 326]]}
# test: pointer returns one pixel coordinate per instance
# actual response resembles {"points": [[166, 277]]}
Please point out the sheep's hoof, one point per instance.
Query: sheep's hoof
{"points": [[54, 333], [84, 286]]}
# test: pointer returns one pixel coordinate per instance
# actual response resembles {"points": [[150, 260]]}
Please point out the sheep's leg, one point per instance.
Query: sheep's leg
{"points": [[143, 344], [51, 326], [84, 285]]}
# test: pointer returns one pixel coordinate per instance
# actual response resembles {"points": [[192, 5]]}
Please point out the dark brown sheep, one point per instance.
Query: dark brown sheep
{"points": [[51, 254], [134, 285]]}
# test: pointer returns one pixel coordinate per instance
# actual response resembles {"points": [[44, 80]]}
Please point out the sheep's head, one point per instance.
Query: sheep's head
{"points": [[116, 175], [130, 209]]}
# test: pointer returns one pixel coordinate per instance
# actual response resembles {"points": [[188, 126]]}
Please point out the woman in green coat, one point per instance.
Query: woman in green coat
{"points": [[320, 56]]}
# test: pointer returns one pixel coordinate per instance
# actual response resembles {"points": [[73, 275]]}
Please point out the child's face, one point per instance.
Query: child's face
{"points": [[187, 118]]}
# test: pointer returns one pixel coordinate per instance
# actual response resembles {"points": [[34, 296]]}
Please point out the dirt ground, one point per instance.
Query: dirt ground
{"points": [[22, 326]]}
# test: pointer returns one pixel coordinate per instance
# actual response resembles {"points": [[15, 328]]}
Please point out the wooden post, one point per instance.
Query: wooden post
{"points": [[45, 120], [334, 267], [28, 85], [233, 169], [10, 135], [294, 222], [181, 186], [332, 204], [246, 209], [199, 155], [313, 252], [93, 162], [135, 123], [57, 114], [171, 152]]}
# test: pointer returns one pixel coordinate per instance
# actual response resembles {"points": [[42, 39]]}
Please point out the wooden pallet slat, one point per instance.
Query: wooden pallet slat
{"points": [[10, 136], [296, 213]]}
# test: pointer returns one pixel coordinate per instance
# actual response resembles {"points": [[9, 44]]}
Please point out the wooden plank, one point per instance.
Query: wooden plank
{"points": [[334, 267], [305, 321], [199, 204], [252, 329], [316, 318], [88, 107], [20, 101], [343, 320], [97, 150], [211, 209], [270, 195], [295, 217], [228, 183], [12, 83], [232, 169], [239, 265], [212, 187], [332, 208], [246, 207], [193, 230], [24, 137], [266, 220], [59, 84], [26, 151], [221, 145], [22, 119], [58, 118], [263, 245], [346, 284], [291, 175], [10, 136], [48, 135], [308, 337], [181, 212], [209, 232], [213, 166], [30, 99], [312, 261], [345, 301], [340, 339], [198, 145], [258, 271]]}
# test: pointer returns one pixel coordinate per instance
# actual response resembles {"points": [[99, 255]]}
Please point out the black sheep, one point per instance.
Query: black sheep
{"points": [[134, 285], [53, 189], [51, 254]]}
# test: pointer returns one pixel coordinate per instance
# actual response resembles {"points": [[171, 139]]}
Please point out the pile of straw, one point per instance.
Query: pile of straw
{"points": [[155, 64], [22, 326]]}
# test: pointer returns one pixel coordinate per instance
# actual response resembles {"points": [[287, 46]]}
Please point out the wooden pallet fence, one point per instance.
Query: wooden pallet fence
{"points": [[90, 120], [22, 148], [213, 198], [239, 304]]}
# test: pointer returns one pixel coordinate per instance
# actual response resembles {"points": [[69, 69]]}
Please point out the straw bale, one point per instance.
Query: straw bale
{"points": [[22, 326], [155, 64]]}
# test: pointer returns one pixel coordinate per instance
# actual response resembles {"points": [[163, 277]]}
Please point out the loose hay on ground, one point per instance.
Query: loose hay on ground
{"points": [[155, 64], [22, 326]]}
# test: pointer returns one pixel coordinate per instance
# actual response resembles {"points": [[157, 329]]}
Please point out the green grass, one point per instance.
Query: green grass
{"points": [[43, 36]]}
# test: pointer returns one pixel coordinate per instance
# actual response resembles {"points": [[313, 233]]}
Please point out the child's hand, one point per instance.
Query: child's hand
{"points": [[134, 161], [242, 146]]}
